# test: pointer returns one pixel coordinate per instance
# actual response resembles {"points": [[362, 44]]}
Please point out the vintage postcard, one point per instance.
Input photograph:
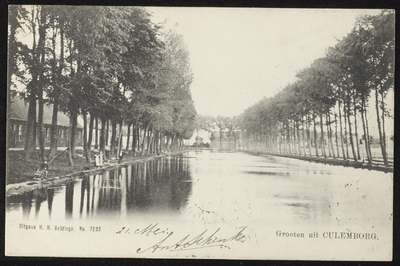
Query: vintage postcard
{"points": [[208, 133]]}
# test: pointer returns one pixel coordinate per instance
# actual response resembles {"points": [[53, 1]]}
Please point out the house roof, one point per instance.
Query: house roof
{"points": [[19, 111]]}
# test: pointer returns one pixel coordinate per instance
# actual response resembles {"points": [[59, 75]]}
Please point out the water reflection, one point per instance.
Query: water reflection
{"points": [[27, 205], [214, 187], [69, 203], [158, 185]]}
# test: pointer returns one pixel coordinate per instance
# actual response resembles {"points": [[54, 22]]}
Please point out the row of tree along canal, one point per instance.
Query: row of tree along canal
{"points": [[319, 114], [111, 65]]}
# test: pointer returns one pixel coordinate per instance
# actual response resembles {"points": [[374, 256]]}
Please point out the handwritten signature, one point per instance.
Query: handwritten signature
{"points": [[202, 240]]}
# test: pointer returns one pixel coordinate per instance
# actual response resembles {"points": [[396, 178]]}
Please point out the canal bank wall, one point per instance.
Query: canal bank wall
{"points": [[330, 161], [18, 189]]}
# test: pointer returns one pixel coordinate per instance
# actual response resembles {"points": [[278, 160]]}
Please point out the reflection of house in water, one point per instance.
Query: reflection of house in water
{"points": [[224, 141], [110, 191], [158, 184]]}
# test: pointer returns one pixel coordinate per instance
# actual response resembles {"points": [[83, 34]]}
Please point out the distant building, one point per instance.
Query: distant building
{"points": [[199, 141], [18, 124], [223, 141]]}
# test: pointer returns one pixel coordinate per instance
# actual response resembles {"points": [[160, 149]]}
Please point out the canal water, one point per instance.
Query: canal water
{"points": [[273, 200]]}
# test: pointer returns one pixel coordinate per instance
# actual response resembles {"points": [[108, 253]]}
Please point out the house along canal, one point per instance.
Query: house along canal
{"points": [[209, 205]]}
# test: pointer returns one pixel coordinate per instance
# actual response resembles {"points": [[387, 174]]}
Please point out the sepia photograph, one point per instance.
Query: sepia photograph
{"points": [[200, 133]]}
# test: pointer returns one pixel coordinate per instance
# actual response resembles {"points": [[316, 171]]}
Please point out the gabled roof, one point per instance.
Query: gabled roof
{"points": [[19, 111]]}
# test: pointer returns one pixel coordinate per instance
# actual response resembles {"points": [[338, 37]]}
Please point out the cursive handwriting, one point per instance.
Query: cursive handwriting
{"points": [[203, 240]]}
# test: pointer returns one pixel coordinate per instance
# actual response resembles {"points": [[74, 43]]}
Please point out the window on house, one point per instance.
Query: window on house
{"points": [[20, 133], [15, 132], [48, 134]]}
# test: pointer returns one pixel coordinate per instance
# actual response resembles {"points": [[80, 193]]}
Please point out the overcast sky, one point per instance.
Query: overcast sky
{"points": [[240, 55]]}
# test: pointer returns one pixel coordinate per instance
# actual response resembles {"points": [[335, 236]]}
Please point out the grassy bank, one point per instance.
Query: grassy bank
{"points": [[20, 178], [19, 170]]}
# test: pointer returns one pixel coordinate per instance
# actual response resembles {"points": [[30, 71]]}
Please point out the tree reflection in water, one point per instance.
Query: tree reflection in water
{"points": [[163, 184], [69, 199]]}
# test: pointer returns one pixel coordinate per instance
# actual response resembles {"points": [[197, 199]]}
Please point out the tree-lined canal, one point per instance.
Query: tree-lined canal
{"points": [[260, 205], [119, 84], [216, 187]]}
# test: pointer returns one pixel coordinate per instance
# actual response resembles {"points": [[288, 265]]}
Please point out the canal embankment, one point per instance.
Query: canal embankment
{"points": [[375, 165], [77, 171]]}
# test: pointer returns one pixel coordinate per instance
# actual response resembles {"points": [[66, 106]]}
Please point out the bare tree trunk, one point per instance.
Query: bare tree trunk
{"points": [[292, 140], [385, 157], [144, 138], [341, 131], [71, 162], [90, 138], [102, 147], [308, 135], [161, 140], [167, 143], [85, 136], [128, 136], [366, 137], [107, 132], [322, 137], [41, 48], [134, 141], [40, 126], [173, 142], [155, 142], [315, 138], [53, 130], [74, 117], [11, 62], [30, 140], [113, 136], [336, 136], [56, 75], [355, 127], [381, 135], [367, 128], [96, 136], [149, 139], [351, 134], [119, 144], [297, 134], [345, 131], [328, 143], [330, 136], [304, 136], [289, 151]]}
